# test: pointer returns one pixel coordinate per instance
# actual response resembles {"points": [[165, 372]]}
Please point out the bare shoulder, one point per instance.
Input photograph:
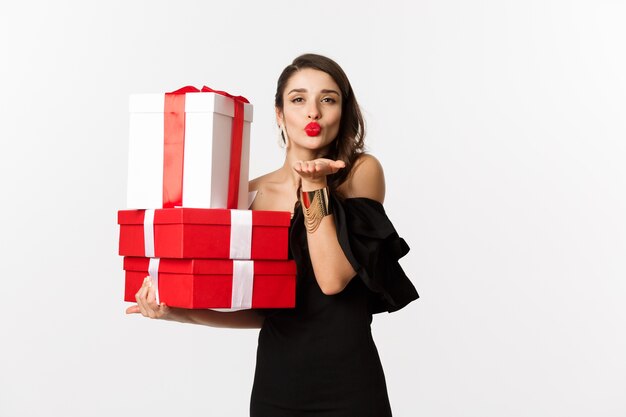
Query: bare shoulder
{"points": [[253, 185], [271, 192], [367, 179], [257, 183]]}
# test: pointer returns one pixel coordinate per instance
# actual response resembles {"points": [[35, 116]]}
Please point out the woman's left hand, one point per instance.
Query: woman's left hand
{"points": [[315, 171]]}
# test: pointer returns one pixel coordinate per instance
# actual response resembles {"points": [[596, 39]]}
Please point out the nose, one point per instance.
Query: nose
{"points": [[313, 112]]}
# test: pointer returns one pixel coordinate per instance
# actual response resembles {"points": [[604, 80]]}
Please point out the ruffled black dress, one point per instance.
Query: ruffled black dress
{"points": [[319, 359]]}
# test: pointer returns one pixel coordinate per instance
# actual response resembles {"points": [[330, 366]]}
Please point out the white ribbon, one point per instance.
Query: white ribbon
{"points": [[153, 271], [240, 234], [148, 233], [243, 279]]}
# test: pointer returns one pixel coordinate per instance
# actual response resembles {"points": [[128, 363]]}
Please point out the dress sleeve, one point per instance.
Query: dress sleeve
{"points": [[373, 248]]}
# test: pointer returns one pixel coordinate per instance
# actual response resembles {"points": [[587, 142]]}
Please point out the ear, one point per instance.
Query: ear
{"points": [[279, 117]]}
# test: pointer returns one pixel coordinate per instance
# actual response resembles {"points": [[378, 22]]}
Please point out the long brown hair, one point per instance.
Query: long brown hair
{"points": [[349, 143]]}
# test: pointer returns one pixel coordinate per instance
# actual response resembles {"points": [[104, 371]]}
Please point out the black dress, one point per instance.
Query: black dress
{"points": [[319, 359]]}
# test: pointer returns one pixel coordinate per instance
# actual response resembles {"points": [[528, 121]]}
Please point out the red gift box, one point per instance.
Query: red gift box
{"points": [[204, 233], [213, 283], [188, 148]]}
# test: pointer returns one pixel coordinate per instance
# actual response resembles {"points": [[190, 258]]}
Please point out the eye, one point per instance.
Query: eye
{"points": [[328, 100], [297, 100]]}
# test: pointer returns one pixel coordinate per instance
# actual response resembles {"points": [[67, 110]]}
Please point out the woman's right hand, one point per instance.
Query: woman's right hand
{"points": [[148, 307], [146, 302]]}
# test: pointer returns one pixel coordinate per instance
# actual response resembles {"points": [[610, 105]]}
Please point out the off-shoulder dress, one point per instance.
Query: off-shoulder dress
{"points": [[319, 359]]}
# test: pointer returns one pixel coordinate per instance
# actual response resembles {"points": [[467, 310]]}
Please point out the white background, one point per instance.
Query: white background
{"points": [[501, 128]]}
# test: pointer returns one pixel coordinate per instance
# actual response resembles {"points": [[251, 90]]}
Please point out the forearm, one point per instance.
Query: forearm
{"points": [[330, 265], [332, 269], [242, 319]]}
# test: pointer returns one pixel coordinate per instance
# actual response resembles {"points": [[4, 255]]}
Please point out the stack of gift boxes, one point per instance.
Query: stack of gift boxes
{"points": [[188, 225]]}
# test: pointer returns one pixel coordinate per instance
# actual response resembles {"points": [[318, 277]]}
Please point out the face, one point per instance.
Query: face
{"points": [[312, 109]]}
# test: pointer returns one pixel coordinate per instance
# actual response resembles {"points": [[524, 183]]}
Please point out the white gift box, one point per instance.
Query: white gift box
{"points": [[206, 152]]}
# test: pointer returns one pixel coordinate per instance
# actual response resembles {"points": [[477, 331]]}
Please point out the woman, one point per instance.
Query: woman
{"points": [[319, 358]]}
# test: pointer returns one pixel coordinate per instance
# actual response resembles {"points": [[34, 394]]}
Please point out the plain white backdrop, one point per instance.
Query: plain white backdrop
{"points": [[501, 128]]}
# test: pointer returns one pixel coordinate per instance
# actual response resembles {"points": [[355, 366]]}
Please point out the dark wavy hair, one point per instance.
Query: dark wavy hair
{"points": [[349, 143]]}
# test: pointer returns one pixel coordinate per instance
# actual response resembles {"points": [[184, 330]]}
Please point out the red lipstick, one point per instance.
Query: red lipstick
{"points": [[313, 129]]}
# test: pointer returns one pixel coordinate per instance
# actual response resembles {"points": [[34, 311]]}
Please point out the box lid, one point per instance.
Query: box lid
{"points": [[200, 102], [209, 266], [182, 215]]}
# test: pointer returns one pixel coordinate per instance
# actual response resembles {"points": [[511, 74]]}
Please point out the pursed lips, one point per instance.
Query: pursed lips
{"points": [[313, 129]]}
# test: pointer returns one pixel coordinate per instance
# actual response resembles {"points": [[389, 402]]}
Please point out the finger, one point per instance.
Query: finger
{"points": [[334, 166], [297, 166], [333, 169], [163, 310], [151, 304], [143, 290], [151, 296], [139, 296], [326, 160], [133, 309], [338, 164], [142, 294], [142, 309], [321, 166]]}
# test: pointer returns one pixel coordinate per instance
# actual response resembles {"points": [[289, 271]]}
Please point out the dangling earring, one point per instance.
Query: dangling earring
{"points": [[283, 134]]}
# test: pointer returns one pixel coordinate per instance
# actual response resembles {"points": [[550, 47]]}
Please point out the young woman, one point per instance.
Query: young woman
{"points": [[319, 359]]}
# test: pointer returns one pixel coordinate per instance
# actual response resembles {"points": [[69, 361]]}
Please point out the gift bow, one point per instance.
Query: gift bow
{"points": [[205, 89], [174, 145]]}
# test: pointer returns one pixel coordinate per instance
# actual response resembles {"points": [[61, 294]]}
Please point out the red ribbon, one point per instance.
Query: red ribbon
{"points": [[174, 146]]}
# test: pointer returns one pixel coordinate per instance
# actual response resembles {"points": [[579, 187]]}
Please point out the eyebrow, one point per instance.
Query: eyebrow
{"points": [[304, 90]]}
